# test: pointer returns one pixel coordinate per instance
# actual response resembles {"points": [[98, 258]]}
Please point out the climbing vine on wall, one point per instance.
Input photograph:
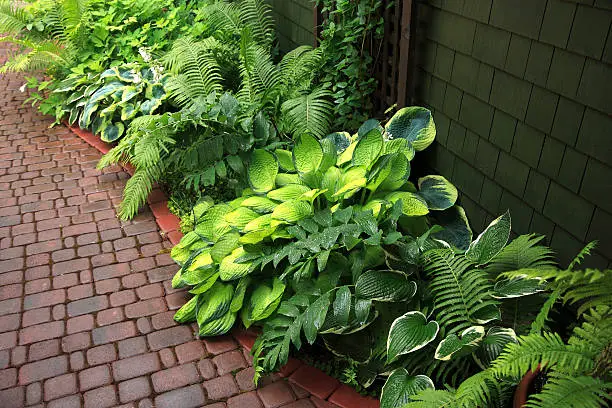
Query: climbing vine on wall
{"points": [[350, 34]]}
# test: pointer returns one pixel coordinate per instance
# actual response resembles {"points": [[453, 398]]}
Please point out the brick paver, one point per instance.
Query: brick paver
{"points": [[86, 303]]}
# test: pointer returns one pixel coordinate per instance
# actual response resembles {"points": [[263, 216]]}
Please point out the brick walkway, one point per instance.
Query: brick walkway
{"points": [[86, 304]]}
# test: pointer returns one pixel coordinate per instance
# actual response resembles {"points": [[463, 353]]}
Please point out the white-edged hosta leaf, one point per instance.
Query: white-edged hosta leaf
{"points": [[288, 192], [414, 124], [285, 159], [517, 287], [491, 241], [262, 171], [292, 211], [368, 148], [400, 386], [230, 270], [307, 154], [453, 344], [385, 286], [438, 192], [412, 204], [409, 333]]}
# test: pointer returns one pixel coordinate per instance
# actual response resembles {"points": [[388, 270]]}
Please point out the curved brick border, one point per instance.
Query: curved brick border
{"points": [[328, 391]]}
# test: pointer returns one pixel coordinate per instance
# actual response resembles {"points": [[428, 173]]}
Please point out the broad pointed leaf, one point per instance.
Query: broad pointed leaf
{"points": [[409, 333], [414, 124], [385, 286], [400, 387], [307, 154], [438, 192], [491, 241]]}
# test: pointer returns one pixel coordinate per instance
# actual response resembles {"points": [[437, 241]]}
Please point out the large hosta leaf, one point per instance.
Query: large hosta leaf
{"points": [[285, 159], [453, 344], [187, 313], [215, 303], [218, 327], [438, 192], [457, 231], [385, 286], [412, 204], [230, 270], [240, 217], [368, 149], [259, 204], [414, 124], [288, 192], [517, 287], [409, 333], [263, 301], [262, 171], [307, 154], [292, 210], [112, 132], [400, 387], [491, 241], [341, 140]]}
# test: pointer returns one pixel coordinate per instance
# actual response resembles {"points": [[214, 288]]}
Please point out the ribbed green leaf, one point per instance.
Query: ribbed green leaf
{"points": [[491, 241], [400, 387], [285, 159], [409, 333], [259, 204], [412, 204], [214, 304], [292, 210], [307, 154], [230, 270], [187, 313], [493, 344], [262, 171], [385, 286], [438, 192], [368, 148], [414, 124], [288, 192]]}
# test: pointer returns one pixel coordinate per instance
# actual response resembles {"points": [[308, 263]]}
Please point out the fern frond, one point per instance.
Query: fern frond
{"points": [[137, 190], [299, 66], [540, 320], [461, 292], [569, 391], [595, 333], [13, 19], [223, 16], [523, 252], [309, 113], [198, 71], [543, 350], [41, 56], [256, 15], [582, 254], [429, 398]]}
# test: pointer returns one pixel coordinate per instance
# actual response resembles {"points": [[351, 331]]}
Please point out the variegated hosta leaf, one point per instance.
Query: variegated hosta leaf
{"points": [[400, 387], [454, 344], [367, 126], [224, 246], [187, 313], [240, 217], [438, 192], [197, 275], [400, 146], [218, 327], [493, 344], [212, 224], [263, 302], [288, 192], [285, 159], [262, 171], [230, 270], [347, 155], [491, 241], [414, 124], [385, 286], [292, 211], [517, 287], [330, 155], [206, 282], [307, 154], [177, 282], [112, 132], [412, 204], [368, 148], [341, 140], [457, 231], [215, 303], [239, 292], [409, 333]]}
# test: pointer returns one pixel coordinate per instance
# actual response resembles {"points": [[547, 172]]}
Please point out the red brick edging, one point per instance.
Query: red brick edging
{"points": [[319, 384]]}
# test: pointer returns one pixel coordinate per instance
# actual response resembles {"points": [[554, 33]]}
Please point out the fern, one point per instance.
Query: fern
{"points": [[137, 190], [198, 73], [13, 19], [540, 350], [430, 398], [461, 292], [299, 66], [256, 15], [563, 390], [582, 254], [522, 252], [309, 113]]}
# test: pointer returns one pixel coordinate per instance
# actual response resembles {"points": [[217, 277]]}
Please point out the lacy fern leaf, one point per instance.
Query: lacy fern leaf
{"points": [[522, 252], [563, 390], [310, 113]]}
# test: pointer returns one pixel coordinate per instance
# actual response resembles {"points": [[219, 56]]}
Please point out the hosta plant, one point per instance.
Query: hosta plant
{"points": [[320, 224], [108, 101]]}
